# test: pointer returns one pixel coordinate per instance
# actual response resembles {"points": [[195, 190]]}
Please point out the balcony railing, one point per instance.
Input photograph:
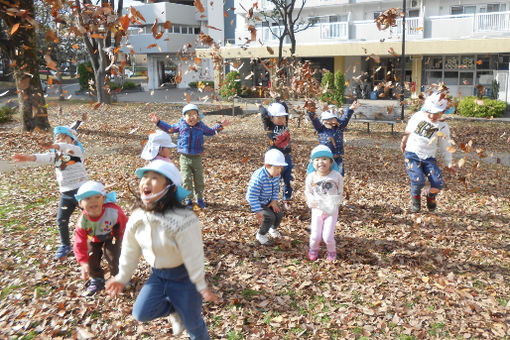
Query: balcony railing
{"points": [[334, 30], [414, 26], [488, 22]]}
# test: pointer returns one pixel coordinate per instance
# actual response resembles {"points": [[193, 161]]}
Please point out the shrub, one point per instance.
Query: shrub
{"points": [[486, 108], [127, 85], [336, 88], [194, 84], [86, 73], [231, 85], [6, 114]]}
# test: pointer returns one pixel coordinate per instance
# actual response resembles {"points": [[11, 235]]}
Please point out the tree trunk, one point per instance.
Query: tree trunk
{"points": [[22, 49]]}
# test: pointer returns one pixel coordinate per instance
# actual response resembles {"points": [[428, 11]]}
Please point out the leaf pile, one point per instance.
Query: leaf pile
{"points": [[398, 275]]}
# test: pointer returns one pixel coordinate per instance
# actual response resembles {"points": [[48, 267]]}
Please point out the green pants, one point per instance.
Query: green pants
{"points": [[192, 172]]}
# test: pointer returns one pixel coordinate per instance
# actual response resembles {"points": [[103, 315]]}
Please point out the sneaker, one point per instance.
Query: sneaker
{"points": [[176, 321], [431, 203], [313, 254], [274, 233], [331, 256], [63, 251], [262, 239], [201, 204], [95, 286], [188, 204], [415, 204]]}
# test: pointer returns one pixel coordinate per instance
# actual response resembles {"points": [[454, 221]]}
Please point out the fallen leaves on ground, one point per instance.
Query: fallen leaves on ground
{"points": [[398, 275]]}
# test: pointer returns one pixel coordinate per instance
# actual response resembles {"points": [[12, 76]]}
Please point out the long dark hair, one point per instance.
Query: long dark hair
{"points": [[167, 202]]}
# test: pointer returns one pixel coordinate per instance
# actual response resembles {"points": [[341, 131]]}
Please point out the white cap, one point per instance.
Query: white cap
{"points": [[190, 107], [332, 107], [164, 168], [275, 157], [328, 115], [435, 103], [92, 188], [277, 110], [156, 140]]}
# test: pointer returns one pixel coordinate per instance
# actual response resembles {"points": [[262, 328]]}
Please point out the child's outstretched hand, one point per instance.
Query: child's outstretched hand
{"points": [[207, 295], [23, 158], [154, 118], [113, 287], [354, 105], [85, 270], [310, 106], [225, 122]]}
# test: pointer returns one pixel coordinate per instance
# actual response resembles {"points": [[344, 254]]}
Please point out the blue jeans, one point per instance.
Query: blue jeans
{"points": [[419, 170], [339, 161], [287, 177], [167, 291], [66, 208]]}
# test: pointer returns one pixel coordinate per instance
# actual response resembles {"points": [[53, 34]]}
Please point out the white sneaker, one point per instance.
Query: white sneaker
{"points": [[262, 239], [176, 321], [274, 233]]}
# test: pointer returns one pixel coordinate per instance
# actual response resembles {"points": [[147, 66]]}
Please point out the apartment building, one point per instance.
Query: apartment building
{"points": [[169, 55], [463, 43]]}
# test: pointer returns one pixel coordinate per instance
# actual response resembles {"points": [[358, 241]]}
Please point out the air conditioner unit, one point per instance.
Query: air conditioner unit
{"points": [[414, 3]]}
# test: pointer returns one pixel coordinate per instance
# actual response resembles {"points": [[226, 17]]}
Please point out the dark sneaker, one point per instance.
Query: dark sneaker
{"points": [[188, 204], [63, 251], [431, 203], [95, 286], [201, 204], [415, 204]]}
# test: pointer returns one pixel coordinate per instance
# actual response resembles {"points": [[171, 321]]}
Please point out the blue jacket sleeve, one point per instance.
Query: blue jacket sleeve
{"points": [[316, 122], [211, 131], [167, 127], [344, 120]]}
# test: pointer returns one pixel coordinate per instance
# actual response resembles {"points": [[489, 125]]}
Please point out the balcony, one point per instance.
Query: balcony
{"points": [[334, 30], [169, 42]]}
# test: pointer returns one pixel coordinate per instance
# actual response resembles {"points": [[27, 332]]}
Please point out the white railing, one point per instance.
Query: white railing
{"points": [[414, 26], [490, 22], [267, 34], [334, 30]]}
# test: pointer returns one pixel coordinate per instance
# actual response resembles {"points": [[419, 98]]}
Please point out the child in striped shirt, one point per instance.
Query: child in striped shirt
{"points": [[262, 195]]}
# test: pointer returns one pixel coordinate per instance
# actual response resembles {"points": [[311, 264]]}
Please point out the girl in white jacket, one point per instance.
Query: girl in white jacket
{"points": [[170, 239]]}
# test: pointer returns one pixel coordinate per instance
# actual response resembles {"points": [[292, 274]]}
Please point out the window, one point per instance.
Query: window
{"points": [[376, 14], [434, 63], [496, 8], [413, 13], [197, 30], [184, 29], [451, 78], [457, 10]]}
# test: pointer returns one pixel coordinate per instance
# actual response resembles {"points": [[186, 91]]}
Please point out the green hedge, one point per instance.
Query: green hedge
{"points": [[127, 85], [472, 107], [335, 84], [85, 72], [6, 114], [194, 84]]}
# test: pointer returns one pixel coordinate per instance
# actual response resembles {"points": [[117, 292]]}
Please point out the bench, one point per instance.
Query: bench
{"points": [[377, 111]]}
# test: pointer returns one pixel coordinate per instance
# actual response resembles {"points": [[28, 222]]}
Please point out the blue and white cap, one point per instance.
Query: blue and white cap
{"points": [[91, 188], [168, 170], [68, 131], [321, 151]]}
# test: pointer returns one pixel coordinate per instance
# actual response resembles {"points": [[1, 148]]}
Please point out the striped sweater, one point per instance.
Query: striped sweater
{"points": [[262, 189], [191, 138]]}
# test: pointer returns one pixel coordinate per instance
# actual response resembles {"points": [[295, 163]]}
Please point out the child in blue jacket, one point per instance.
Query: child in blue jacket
{"points": [[331, 131]]}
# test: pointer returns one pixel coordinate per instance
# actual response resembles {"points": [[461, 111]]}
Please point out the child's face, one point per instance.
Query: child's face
{"points": [[93, 205], [192, 117], [330, 122], [322, 165], [279, 120], [274, 170], [151, 183], [63, 138], [434, 117], [164, 152]]}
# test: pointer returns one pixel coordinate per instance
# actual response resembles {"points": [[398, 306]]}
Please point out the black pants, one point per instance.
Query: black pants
{"points": [[111, 254], [271, 219], [66, 207]]}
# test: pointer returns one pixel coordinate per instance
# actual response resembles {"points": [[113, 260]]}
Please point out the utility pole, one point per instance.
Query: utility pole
{"points": [[403, 61]]}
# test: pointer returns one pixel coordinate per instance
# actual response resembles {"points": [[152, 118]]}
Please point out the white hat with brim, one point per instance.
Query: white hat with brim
{"points": [[190, 107], [92, 188], [328, 115], [434, 103], [277, 110], [168, 170], [274, 157], [156, 140]]}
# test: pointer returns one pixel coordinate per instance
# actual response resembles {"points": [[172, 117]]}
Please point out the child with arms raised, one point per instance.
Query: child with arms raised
{"points": [[190, 144], [67, 154], [323, 191], [263, 191], [99, 229], [170, 239], [331, 130], [425, 134]]}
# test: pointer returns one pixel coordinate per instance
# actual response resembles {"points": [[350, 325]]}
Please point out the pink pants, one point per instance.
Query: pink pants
{"points": [[323, 227]]}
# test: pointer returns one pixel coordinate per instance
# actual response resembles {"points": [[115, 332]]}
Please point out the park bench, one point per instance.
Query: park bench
{"points": [[377, 111]]}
